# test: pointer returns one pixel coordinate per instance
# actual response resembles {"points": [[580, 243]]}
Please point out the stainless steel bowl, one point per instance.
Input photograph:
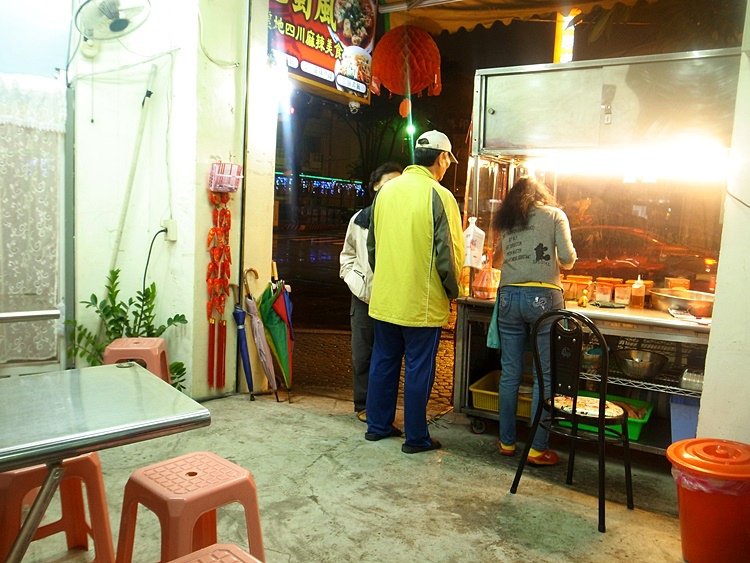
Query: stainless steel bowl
{"points": [[697, 303], [640, 364]]}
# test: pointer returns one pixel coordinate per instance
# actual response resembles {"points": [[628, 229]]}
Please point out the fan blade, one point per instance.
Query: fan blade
{"points": [[110, 19], [109, 8]]}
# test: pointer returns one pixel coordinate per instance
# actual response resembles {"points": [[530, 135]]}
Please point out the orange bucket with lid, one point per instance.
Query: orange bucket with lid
{"points": [[713, 495]]}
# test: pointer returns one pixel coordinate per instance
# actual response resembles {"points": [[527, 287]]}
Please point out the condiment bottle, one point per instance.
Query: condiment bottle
{"points": [[584, 300], [474, 244], [638, 294]]}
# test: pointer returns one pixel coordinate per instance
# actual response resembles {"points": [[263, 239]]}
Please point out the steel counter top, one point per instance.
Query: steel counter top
{"points": [[642, 323]]}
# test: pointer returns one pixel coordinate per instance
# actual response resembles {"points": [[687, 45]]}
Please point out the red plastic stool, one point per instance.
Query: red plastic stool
{"points": [[184, 493], [151, 353], [16, 486], [218, 553]]}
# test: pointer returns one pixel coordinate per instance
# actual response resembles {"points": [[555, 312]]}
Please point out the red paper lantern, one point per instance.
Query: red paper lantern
{"points": [[406, 61], [404, 108]]}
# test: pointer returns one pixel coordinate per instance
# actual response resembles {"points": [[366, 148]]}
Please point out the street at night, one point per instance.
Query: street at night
{"points": [[309, 262]]}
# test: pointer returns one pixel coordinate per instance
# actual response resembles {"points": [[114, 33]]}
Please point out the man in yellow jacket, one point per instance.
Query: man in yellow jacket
{"points": [[416, 250]]}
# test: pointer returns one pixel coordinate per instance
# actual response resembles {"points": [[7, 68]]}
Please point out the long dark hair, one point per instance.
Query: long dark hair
{"points": [[520, 201]]}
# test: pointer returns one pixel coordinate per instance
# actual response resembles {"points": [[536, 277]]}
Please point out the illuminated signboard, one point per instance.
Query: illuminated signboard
{"points": [[327, 43]]}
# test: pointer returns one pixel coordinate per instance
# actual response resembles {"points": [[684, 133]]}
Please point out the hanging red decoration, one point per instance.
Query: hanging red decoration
{"points": [[406, 61], [404, 108]]}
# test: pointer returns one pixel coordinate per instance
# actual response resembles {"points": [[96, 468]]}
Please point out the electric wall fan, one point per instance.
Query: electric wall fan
{"points": [[109, 19]]}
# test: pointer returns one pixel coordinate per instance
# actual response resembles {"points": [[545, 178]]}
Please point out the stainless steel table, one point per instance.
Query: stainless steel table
{"points": [[48, 417]]}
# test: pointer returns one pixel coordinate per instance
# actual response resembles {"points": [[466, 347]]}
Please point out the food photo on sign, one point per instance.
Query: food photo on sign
{"points": [[326, 44]]}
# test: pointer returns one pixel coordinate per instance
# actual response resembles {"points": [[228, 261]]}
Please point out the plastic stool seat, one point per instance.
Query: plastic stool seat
{"points": [[217, 553], [17, 486], [150, 352], [184, 493]]}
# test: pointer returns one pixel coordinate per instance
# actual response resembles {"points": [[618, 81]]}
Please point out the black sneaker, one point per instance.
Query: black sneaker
{"points": [[394, 433], [434, 445]]}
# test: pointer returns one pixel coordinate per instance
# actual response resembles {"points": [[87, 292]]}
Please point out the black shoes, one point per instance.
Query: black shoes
{"points": [[394, 433], [434, 445], [397, 433]]}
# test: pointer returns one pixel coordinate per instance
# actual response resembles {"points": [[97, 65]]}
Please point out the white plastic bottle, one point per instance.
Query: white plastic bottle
{"points": [[474, 244]]}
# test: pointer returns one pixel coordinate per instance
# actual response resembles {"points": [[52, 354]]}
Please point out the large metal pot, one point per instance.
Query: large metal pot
{"points": [[697, 303]]}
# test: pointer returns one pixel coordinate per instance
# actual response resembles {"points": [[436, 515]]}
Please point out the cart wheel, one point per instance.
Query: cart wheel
{"points": [[478, 426]]}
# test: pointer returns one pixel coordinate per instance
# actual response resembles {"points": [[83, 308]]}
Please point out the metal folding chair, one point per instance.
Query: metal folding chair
{"points": [[564, 410]]}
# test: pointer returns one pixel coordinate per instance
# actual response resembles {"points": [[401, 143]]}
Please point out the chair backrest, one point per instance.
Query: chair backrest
{"points": [[567, 341]]}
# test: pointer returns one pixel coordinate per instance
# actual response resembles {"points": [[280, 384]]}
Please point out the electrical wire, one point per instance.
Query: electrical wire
{"points": [[217, 62], [69, 56], [119, 79], [148, 258], [738, 199]]}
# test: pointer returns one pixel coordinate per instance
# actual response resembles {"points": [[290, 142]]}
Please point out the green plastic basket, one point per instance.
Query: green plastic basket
{"points": [[635, 425]]}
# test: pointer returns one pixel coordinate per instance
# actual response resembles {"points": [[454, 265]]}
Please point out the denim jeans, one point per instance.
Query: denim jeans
{"points": [[518, 309]]}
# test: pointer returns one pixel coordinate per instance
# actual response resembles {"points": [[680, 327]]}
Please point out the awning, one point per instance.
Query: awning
{"points": [[451, 15]]}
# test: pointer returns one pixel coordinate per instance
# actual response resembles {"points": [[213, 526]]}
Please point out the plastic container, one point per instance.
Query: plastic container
{"points": [[635, 425], [622, 294], [603, 292], [611, 281], [474, 244], [674, 283], [225, 177], [638, 294], [576, 286], [684, 416], [648, 284], [713, 496], [485, 395]]}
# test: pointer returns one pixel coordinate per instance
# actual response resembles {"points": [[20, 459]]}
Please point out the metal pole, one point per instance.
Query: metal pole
{"points": [[133, 166], [38, 508]]}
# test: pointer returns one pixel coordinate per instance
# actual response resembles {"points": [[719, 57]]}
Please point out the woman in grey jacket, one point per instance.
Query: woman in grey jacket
{"points": [[536, 243], [356, 272]]}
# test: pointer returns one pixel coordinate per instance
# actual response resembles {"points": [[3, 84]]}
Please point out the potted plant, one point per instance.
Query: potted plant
{"points": [[121, 318]]}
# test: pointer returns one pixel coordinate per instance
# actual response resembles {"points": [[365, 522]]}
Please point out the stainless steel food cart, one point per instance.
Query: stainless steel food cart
{"points": [[638, 119]]}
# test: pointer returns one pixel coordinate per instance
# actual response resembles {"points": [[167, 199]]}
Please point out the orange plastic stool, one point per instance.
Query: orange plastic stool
{"points": [[184, 493], [151, 353], [16, 486], [217, 553]]}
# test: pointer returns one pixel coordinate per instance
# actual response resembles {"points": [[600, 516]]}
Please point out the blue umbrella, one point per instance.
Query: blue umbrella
{"points": [[239, 318]]}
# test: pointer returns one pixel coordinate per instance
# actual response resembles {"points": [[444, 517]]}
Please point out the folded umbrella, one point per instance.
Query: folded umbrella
{"points": [[239, 317], [261, 343], [277, 328], [283, 306], [259, 335]]}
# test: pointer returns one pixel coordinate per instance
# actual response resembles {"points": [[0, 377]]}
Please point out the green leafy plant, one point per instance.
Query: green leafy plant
{"points": [[121, 318]]}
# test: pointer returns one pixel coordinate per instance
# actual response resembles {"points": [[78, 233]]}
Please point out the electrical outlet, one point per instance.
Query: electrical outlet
{"points": [[171, 226]]}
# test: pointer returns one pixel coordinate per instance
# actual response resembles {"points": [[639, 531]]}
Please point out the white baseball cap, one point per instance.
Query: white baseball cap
{"points": [[436, 140]]}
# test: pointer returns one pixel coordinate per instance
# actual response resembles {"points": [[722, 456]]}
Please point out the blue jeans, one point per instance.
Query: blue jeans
{"points": [[518, 309]]}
